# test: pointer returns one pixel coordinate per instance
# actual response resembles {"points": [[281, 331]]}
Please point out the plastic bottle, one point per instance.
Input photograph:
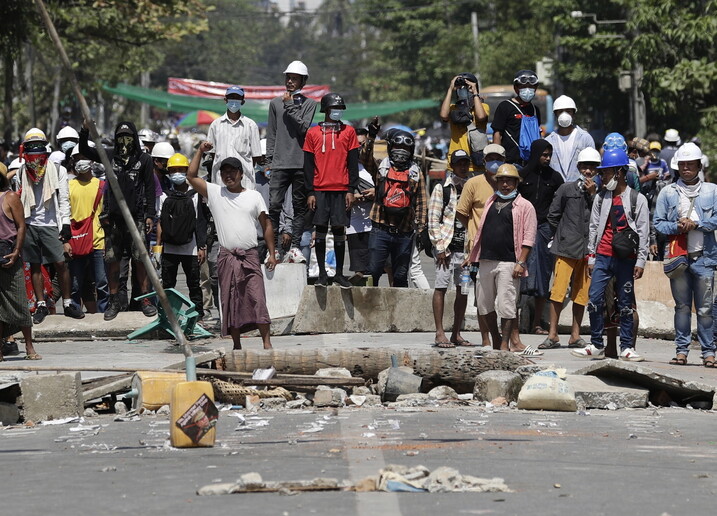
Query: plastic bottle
{"points": [[465, 281]]}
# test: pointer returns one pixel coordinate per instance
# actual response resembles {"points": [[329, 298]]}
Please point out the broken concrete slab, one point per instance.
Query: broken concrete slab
{"points": [[495, 384], [663, 388], [329, 398], [442, 392], [47, 397], [9, 414], [592, 392], [333, 372]]}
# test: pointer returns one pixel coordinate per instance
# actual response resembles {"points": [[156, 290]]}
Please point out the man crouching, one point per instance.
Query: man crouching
{"points": [[242, 300]]}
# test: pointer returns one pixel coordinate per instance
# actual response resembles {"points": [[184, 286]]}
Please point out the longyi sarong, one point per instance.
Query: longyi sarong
{"points": [[14, 312], [242, 299]]}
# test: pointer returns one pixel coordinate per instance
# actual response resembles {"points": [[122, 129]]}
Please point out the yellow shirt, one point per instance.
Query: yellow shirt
{"points": [[459, 135], [475, 194], [82, 199]]}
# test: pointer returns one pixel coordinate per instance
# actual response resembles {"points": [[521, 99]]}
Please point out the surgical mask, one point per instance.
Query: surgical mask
{"points": [[178, 178], [526, 94], [234, 105], [400, 158], [336, 114], [83, 166], [507, 197], [463, 93], [611, 185], [492, 166], [565, 120], [67, 146]]}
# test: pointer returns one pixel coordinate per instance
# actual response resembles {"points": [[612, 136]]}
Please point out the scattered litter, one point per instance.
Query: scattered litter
{"points": [[385, 424], [368, 434], [129, 416], [357, 400], [62, 421], [412, 453], [108, 469], [263, 374], [557, 486]]}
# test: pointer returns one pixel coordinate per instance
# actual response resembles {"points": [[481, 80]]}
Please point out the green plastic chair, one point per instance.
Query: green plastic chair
{"points": [[183, 309]]}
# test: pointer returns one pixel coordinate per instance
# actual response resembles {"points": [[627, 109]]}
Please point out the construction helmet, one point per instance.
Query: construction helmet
{"points": [[163, 150], [147, 135], [589, 155], [298, 68], [76, 148], [331, 101], [672, 135], [614, 141], [15, 164], [655, 146], [507, 170], [614, 158], [688, 152], [67, 133], [564, 102], [35, 135], [177, 160]]}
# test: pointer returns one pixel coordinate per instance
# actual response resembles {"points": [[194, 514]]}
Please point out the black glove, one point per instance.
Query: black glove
{"points": [[373, 128], [65, 233]]}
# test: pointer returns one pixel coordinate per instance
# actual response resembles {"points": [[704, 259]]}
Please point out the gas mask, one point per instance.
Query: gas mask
{"points": [[125, 147], [400, 158]]}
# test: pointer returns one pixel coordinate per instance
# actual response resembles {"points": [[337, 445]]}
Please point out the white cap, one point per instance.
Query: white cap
{"points": [[564, 102], [67, 133], [15, 164], [298, 68], [76, 148], [672, 135], [688, 152], [163, 150], [589, 155]]}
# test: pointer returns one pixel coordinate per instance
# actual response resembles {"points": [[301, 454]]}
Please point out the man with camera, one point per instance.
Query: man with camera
{"points": [[467, 117]]}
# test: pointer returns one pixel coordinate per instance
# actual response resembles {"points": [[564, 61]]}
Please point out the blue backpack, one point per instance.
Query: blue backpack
{"points": [[529, 132]]}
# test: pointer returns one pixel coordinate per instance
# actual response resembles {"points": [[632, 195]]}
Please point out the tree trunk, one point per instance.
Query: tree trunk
{"points": [[8, 64], [454, 367]]}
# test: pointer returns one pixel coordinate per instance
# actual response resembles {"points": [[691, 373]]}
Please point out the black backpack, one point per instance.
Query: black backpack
{"points": [[179, 218]]}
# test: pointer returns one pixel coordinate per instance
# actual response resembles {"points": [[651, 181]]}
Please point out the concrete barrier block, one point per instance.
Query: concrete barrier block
{"points": [[284, 286], [592, 392], [495, 384], [47, 397]]}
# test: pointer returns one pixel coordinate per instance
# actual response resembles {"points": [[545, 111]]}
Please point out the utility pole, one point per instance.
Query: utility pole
{"points": [[638, 102], [476, 51], [144, 108]]}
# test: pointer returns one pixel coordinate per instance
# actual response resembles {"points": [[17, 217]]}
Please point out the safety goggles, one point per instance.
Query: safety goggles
{"points": [[525, 79], [402, 140], [35, 147]]}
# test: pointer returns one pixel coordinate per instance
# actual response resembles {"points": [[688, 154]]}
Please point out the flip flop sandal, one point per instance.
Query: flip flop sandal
{"points": [[33, 356], [580, 343], [529, 351], [709, 362], [443, 345], [463, 343], [549, 344], [679, 360], [540, 331]]}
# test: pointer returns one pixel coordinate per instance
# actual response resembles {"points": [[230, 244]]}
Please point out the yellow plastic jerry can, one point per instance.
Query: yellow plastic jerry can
{"points": [[193, 415], [153, 389]]}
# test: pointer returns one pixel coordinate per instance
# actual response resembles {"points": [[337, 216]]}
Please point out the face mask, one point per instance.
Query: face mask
{"points": [[336, 114], [82, 166], [125, 147], [67, 146], [400, 158], [507, 197], [492, 166], [565, 120], [234, 105], [463, 93], [526, 94], [178, 178], [611, 185], [35, 165]]}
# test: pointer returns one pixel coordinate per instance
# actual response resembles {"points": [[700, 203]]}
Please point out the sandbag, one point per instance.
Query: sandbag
{"points": [[546, 391]]}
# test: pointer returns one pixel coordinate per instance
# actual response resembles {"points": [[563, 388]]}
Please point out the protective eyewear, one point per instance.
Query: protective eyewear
{"points": [[531, 80], [35, 148], [402, 140]]}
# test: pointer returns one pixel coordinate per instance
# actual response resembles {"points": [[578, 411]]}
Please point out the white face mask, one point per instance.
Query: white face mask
{"points": [[611, 185], [526, 94], [336, 114], [82, 166], [565, 120]]}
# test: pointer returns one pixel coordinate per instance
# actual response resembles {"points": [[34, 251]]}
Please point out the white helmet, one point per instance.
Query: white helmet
{"points": [[35, 135], [76, 148], [15, 164], [672, 135], [688, 152], [163, 150], [298, 68], [589, 155], [564, 102], [147, 135], [67, 133]]}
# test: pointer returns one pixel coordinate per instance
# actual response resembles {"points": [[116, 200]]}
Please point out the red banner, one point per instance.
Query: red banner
{"points": [[216, 90]]}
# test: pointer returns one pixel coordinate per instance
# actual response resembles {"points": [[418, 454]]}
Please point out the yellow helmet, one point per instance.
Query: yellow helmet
{"points": [[507, 170], [655, 146], [178, 160], [35, 135]]}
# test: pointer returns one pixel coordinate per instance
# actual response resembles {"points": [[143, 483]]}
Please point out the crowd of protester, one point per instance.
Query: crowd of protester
{"points": [[520, 214]]}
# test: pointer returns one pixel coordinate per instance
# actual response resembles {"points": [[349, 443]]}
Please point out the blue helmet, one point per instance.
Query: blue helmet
{"points": [[614, 158], [614, 141]]}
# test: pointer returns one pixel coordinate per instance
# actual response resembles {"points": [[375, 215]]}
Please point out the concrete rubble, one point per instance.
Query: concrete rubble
{"points": [[47, 397], [496, 384], [592, 392]]}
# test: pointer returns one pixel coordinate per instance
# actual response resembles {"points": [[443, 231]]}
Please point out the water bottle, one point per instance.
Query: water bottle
{"points": [[465, 281]]}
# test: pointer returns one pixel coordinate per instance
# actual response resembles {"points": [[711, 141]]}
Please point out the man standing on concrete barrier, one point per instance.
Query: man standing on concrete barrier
{"points": [[569, 219], [569, 140], [686, 211], [448, 237], [241, 282], [617, 246]]}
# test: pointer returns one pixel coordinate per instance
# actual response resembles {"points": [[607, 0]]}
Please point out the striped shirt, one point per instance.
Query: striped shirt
{"points": [[235, 139]]}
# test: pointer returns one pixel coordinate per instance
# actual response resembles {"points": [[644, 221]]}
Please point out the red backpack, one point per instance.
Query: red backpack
{"points": [[396, 193]]}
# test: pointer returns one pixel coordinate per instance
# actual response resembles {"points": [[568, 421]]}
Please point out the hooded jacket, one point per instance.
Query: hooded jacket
{"points": [[539, 183], [135, 178]]}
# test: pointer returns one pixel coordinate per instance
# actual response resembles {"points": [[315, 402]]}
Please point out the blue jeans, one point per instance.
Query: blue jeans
{"points": [[622, 270], [399, 246], [95, 263], [695, 284]]}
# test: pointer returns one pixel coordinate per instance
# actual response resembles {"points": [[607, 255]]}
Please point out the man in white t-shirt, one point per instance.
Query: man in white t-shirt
{"points": [[568, 140], [242, 299]]}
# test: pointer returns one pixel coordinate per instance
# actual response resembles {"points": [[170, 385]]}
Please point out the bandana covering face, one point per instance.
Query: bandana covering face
{"points": [[125, 148], [35, 165]]}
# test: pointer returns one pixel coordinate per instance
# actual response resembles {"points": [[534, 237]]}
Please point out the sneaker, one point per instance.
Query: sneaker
{"points": [[113, 307], [148, 309], [294, 255], [322, 281], [630, 355], [590, 351], [74, 311], [341, 281], [9, 348], [41, 312]]}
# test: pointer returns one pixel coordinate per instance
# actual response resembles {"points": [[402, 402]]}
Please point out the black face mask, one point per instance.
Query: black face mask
{"points": [[400, 158], [125, 147]]}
